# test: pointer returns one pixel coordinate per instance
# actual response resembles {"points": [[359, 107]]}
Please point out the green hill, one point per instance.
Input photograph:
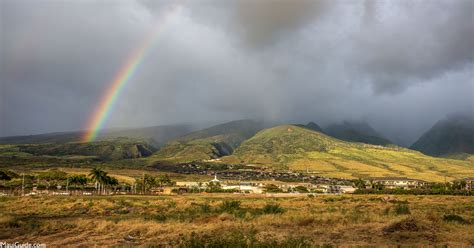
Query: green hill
{"points": [[115, 149], [209, 143], [298, 148], [158, 135], [356, 132], [453, 135]]}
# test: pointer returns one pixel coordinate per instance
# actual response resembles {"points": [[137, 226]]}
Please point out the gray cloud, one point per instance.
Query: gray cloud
{"points": [[267, 20], [399, 65]]}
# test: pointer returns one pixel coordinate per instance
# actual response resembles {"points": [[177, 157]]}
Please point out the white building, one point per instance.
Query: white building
{"points": [[397, 182], [245, 187]]}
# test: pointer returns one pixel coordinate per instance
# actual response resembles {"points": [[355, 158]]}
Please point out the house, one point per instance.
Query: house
{"points": [[245, 187], [337, 189], [190, 184], [346, 189], [397, 182], [293, 185], [469, 183]]}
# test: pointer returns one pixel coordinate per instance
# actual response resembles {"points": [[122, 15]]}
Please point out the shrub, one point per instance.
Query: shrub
{"points": [[205, 208], [455, 218], [230, 206], [402, 208], [301, 189], [271, 188], [273, 209], [156, 217]]}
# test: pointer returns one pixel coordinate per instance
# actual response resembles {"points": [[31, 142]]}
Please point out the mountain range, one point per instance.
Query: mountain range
{"points": [[347, 149], [453, 135]]}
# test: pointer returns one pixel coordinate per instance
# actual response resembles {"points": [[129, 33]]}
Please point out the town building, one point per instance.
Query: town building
{"points": [[469, 183], [246, 187], [397, 182], [337, 189]]}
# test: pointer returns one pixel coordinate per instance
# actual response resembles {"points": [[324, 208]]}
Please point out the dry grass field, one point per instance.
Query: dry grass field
{"points": [[227, 220]]}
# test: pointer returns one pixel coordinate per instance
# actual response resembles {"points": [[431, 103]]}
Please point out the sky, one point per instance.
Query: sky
{"points": [[398, 65]]}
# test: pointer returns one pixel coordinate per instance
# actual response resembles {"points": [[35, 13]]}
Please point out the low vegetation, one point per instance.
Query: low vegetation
{"points": [[226, 220]]}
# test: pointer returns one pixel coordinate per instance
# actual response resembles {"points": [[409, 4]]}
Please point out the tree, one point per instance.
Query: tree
{"points": [[111, 181], [360, 183], [53, 176], [4, 177], [272, 188], [375, 185], [99, 177], [213, 187], [301, 189], [164, 180], [11, 174], [77, 180], [459, 185]]}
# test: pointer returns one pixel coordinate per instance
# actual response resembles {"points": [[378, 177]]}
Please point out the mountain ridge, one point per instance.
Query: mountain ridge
{"points": [[452, 135]]}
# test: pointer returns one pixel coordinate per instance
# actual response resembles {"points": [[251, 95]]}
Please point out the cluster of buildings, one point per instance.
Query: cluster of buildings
{"points": [[397, 182], [226, 184], [409, 183], [257, 187]]}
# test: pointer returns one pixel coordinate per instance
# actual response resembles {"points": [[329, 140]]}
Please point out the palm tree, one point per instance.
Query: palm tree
{"points": [[99, 177], [77, 180], [112, 181]]}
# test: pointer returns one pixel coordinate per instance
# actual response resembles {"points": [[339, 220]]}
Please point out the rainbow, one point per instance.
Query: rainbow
{"points": [[122, 78]]}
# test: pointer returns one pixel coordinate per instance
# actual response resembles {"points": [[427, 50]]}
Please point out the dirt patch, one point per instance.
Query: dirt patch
{"points": [[411, 228], [406, 225]]}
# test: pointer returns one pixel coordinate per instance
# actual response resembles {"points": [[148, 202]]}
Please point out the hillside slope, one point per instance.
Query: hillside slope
{"points": [[297, 148], [209, 143], [158, 135], [115, 149], [356, 132], [449, 136]]}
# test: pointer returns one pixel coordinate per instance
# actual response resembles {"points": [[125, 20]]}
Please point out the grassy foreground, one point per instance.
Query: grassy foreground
{"points": [[239, 221]]}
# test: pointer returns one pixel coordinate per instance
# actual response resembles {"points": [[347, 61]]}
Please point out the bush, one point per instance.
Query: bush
{"points": [[273, 209], [271, 188], [230, 206], [205, 208], [455, 218], [301, 189], [402, 208]]}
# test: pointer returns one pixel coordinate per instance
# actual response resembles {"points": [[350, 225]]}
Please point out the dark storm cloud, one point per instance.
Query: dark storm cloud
{"points": [[266, 20], [418, 42], [400, 66]]}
